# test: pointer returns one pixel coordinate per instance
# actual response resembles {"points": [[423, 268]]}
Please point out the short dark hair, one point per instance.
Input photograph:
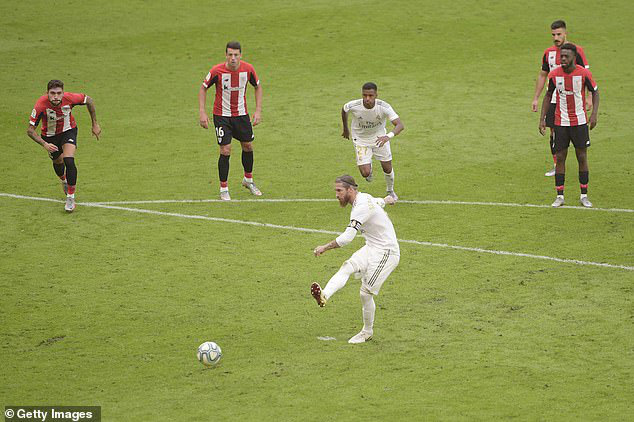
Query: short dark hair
{"points": [[569, 46], [347, 180], [558, 24], [235, 45], [369, 85], [54, 83]]}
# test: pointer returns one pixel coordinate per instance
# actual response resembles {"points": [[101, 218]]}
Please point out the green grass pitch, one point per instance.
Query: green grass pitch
{"points": [[107, 306]]}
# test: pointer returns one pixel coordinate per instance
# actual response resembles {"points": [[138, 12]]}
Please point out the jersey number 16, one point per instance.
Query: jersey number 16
{"points": [[220, 133]]}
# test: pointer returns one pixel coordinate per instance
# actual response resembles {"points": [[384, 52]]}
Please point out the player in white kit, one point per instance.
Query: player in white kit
{"points": [[373, 262], [369, 136]]}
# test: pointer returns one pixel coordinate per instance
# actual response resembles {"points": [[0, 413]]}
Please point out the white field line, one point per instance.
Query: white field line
{"points": [[404, 201], [195, 201], [307, 230]]}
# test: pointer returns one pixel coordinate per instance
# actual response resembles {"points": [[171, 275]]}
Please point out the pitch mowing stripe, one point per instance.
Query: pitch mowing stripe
{"points": [[403, 201], [307, 230]]}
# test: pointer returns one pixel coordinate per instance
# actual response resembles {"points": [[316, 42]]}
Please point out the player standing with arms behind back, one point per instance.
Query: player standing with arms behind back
{"points": [[59, 132], [231, 119], [569, 83], [551, 60], [369, 136], [374, 261]]}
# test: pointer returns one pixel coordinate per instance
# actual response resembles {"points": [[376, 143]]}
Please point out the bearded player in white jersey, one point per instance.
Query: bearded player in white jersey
{"points": [[369, 136], [374, 261]]}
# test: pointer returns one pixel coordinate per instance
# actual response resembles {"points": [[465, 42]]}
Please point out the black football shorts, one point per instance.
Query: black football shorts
{"points": [[238, 127], [578, 135], [67, 137]]}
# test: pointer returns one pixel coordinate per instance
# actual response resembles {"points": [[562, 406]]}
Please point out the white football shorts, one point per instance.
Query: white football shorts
{"points": [[374, 265], [366, 152]]}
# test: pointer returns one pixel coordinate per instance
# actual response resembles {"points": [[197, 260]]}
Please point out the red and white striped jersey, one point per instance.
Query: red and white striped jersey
{"points": [[571, 95], [231, 88], [56, 119], [551, 59]]}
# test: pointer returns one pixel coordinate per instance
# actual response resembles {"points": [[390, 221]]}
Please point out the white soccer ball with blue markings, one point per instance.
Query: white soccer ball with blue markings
{"points": [[209, 353]]}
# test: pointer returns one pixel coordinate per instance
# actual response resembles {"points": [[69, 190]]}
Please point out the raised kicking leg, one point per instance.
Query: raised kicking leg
{"points": [[335, 283]]}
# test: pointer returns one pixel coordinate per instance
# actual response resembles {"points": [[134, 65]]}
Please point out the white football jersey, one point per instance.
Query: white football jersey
{"points": [[370, 219], [368, 124]]}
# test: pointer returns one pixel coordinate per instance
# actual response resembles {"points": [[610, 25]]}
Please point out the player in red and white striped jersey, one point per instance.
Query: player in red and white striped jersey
{"points": [[59, 132], [569, 82], [551, 59], [231, 119]]}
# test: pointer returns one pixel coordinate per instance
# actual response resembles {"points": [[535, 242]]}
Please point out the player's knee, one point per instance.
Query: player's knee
{"points": [[347, 267], [247, 146]]}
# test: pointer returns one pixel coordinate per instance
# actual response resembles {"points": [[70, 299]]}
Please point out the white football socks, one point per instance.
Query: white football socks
{"points": [[367, 300], [338, 280], [389, 181]]}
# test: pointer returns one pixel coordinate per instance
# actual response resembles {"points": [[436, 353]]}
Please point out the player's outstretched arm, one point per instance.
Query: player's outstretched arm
{"points": [[90, 104], [542, 115], [202, 99], [342, 240], [257, 116], [344, 121], [319, 250], [38, 139], [539, 87]]}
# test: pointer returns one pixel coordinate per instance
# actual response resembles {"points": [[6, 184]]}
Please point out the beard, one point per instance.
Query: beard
{"points": [[343, 201]]}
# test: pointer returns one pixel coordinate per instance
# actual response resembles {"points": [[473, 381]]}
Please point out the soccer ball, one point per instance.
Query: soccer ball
{"points": [[209, 353]]}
